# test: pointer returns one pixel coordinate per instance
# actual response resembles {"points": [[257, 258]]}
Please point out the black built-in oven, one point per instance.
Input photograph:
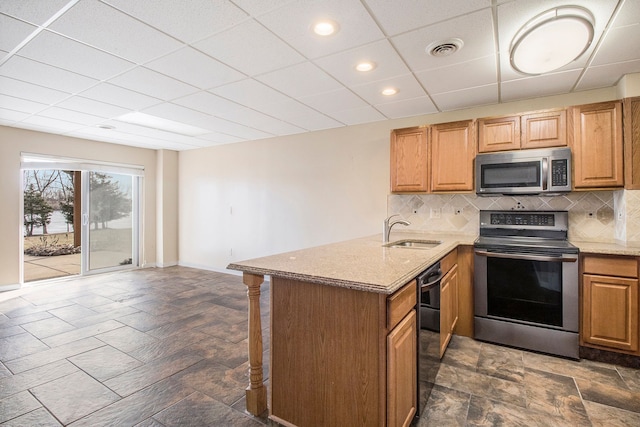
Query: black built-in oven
{"points": [[526, 282]]}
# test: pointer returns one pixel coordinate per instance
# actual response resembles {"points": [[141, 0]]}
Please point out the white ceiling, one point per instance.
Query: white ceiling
{"points": [[246, 69]]}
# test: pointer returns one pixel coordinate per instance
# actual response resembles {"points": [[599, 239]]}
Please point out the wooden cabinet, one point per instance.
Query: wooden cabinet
{"points": [[464, 326], [631, 124], [452, 154], [610, 303], [342, 357], [402, 372], [596, 143], [532, 130], [409, 161], [448, 298]]}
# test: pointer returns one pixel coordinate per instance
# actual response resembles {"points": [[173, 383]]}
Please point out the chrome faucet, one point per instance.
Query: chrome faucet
{"points": [[387, 227]]}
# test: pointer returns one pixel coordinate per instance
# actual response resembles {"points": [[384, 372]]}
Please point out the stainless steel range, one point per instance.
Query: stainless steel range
{"points": [[526, 282]]}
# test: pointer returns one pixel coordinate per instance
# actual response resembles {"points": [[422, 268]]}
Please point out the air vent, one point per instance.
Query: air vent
{"points": [[444, 48]]}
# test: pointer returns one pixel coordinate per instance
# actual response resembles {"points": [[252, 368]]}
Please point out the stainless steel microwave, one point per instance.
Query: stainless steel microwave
{"points": [[541, 171]]}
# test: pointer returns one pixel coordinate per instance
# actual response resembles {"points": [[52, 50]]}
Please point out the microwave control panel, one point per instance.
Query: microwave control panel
{"points": [[559, 173]]}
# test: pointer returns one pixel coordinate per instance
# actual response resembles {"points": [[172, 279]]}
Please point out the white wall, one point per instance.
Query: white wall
{"points": [[246, 200], [13, 141], [167, 208]]}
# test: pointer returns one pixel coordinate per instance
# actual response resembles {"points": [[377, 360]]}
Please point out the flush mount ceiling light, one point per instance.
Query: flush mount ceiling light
{"points": [[325, 27], [365, 66], [106, 127], [552, 40], [389, 91]]}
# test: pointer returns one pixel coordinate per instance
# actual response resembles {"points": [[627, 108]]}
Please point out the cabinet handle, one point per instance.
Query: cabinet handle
{"points": [[526, 256]]}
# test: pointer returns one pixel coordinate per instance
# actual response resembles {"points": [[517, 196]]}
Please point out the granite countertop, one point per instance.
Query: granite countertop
{"points": [[610, 248], [363, 264]]}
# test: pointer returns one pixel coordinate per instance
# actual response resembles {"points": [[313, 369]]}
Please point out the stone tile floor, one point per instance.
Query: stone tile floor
{"points": [[168, 347]]}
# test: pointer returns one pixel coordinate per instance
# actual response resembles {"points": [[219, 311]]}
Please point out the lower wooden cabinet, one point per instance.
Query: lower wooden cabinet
{"points": [[402, 372], [610, 304], [448, 307]]}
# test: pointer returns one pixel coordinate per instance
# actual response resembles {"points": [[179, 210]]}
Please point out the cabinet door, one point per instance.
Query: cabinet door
{"points": [[402, 372], [452, 153], [448, 307], [610, 312], [499, 134], [544, 129], [596, 141], [409, 160]]}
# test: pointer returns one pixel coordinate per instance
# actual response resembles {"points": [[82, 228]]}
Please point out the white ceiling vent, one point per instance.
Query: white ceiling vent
{"points": [[445, 47]]}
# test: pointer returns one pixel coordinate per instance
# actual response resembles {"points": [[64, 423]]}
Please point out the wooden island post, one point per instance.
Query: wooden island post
{"points": [[256, 392]]}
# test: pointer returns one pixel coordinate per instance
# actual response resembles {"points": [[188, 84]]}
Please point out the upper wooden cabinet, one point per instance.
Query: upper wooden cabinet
{"points": [[452, 154], [631, 123], [531, 130], [596, 142], [409, 160]]}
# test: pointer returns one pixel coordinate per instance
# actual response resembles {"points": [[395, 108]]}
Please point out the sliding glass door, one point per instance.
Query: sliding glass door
{"points": [[109, 221]]}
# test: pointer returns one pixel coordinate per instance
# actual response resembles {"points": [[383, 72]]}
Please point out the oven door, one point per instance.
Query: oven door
{"points": [[529, 288]]}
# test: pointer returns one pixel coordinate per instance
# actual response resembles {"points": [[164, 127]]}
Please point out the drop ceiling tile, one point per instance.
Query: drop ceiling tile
{"points": [[152, 83], [181, 114], [249, 92], [534, 87], [12, 32], [628, 15], [195, 68], [342, 65], [45, 75], [407, 86], [312, 120], [46, 124], [91, 106], [207, 102], [237, 130], [300, 80], [475, 30], [19, 104], [477, 72], [407, 107], [257, 120], [250, 48], [341, 99], [293, 21], [220, 138], [30, 91], [61, 52], [108, 29], [607, 75], [615, 47], [128, 139], [34, 11], [71, 116], [134, 129], [396, 19], [256, 8], [188, 23], [465, 98], [358, 116], [10, 116], [120, 97]]}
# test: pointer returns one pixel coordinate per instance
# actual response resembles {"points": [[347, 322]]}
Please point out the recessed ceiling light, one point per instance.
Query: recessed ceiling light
{"points": [[325, 27], [389, 91], [365, 66], [552, 40]]}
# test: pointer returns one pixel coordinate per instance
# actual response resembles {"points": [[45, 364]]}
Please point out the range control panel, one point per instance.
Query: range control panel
{"points": [[526, 219]]}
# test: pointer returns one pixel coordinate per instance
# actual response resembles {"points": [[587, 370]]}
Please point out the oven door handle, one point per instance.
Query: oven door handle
{"points": [[526, 256], [431, 283]]}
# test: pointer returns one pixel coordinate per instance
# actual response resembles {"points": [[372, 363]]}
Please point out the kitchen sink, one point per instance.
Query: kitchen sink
{"points": [[414, 244]]}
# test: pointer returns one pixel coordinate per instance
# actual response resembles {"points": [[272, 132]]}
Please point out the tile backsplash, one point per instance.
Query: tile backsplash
{"points": [[605, 216]]}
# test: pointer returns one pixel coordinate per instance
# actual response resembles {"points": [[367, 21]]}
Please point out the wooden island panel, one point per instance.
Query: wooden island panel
{"points": [[328, 355]]}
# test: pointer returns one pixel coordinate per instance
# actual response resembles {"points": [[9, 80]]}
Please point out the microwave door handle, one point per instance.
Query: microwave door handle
{"points": [[545, 173], [527, 257]]}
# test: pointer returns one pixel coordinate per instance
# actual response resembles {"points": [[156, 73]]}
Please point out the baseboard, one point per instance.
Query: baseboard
{"points": [[209, 268], [163, 265], [5, 288]]}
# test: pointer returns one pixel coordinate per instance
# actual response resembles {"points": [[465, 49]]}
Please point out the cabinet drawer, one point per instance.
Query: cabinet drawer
{"points": [[400, 303], [448, 261], [611, 266]]}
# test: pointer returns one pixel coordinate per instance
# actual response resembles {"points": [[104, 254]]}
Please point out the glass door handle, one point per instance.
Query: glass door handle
{"points": [[85, 219]]}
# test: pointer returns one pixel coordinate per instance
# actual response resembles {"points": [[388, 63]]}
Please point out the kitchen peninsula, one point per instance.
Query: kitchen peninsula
{"points": [[342, 330]]}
